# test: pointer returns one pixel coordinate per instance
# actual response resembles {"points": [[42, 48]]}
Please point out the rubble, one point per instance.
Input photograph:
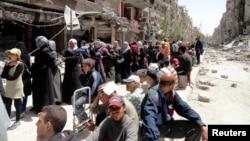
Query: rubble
{"points": [[205, 83], [203, 97], [214, 71], [202, 87], [224, 76]]}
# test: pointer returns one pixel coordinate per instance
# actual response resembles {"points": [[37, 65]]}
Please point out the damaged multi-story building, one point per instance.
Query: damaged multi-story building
{"points": [[108, 20]]}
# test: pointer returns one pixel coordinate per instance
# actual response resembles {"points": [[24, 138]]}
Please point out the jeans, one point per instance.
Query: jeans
{"points": [[17, 104], [79, 106]]}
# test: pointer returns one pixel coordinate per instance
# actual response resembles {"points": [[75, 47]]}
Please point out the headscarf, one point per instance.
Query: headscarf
{"points": [[125, 49], [52, 45], [41, 41], [74, 41]]}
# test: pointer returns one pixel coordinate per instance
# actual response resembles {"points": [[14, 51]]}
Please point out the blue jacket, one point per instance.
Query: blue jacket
{"points": [[153, 110]]}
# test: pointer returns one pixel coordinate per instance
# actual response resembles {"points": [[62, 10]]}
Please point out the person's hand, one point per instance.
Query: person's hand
{"points": [[90, 125], [63, 59], [204, 133]]}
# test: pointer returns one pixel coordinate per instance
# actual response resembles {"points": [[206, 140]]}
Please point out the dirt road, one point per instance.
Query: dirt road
{"points": [[230, 96]]}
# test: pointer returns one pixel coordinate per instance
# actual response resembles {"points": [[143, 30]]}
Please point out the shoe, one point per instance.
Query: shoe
{"points": [[14, 125]]}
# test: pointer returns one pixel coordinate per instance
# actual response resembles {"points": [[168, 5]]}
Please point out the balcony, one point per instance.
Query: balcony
{"points": [[141, 4]]}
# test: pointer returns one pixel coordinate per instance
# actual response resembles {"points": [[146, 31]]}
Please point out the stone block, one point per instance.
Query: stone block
{"points": [[203, 97], [202, 87], [224, 76], [214, 71]]}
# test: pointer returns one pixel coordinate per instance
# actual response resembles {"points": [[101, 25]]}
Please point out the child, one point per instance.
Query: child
{"points": [[12, 72]]}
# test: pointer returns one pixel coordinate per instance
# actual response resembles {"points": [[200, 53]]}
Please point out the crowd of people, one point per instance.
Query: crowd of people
{"points": [[152, 72]]}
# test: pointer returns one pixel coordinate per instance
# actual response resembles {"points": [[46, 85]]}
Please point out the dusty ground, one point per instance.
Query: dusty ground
{"points": [[228, 104]]}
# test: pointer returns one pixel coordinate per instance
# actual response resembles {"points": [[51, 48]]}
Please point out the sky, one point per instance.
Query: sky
{"points": [[206, 14]]}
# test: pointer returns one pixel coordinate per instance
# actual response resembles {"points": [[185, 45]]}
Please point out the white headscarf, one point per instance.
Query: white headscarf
{"points": [[74, 41]]}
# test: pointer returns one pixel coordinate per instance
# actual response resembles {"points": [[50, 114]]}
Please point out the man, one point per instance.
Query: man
{"points": [[184, 69], [157, 114], [198, 49], [116, 127], [88, 78], [51, 121], [136, 94], [105, 93]]}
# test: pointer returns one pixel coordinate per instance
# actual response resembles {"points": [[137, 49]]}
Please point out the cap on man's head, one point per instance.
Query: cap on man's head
{"points": [[116, 101], [175, 61], [154, 67], [15, 51], [109, 88], [132, 78]]}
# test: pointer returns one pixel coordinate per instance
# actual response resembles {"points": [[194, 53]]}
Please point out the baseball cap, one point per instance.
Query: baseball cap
{"points": [[116, 101], [132, 78], [109, 87], [154, 67], [175, 61]]}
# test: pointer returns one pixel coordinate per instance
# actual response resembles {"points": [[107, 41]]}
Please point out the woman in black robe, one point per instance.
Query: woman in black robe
{"points": [[42, 74], [72, 58]]}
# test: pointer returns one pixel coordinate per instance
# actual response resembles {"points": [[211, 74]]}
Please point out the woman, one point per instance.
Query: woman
{"points": [[12, 72], [42, 74], [72, 58]]}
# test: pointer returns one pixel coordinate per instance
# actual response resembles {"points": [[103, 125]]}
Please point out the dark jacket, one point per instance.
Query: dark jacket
{"points": [[66, 135], [150, 113], [185, 65], [93, 79]]}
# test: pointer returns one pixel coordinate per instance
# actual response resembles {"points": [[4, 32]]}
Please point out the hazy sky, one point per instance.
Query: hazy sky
{"points": [[206, 14]]}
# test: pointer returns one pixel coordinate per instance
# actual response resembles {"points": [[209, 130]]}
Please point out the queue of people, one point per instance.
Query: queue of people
{"points": [[151, 75]]}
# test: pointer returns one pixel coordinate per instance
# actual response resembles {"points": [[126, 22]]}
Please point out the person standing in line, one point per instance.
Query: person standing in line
{"points": [[12, 72], [125, 60], [57, 80], [42, 75], [118, 70], [4, 118], [50, 124], [72, 58], [198, 49], [116, 127], [26, 77], [157, 114]]}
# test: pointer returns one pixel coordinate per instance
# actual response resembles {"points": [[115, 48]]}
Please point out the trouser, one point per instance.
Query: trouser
{"points": [[182, 81], [79, 106], [198, 53], [181, 129], [17, 104], [24, 103]]}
